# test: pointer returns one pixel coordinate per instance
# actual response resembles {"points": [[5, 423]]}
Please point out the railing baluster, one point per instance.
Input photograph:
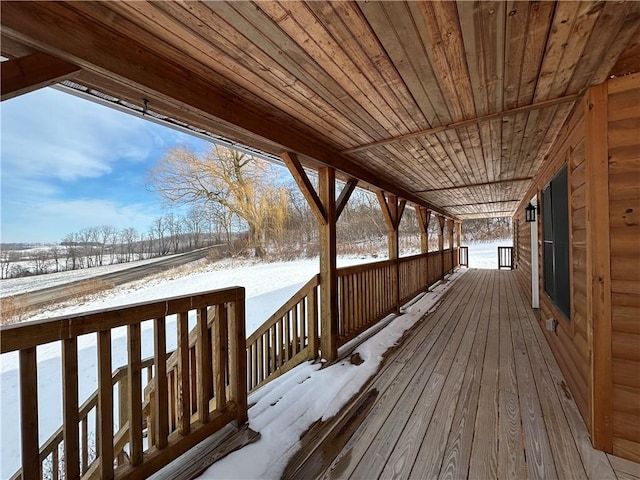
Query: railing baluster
{"points": [[193, 373], [262, 354], [273, 365], [31, 465], [55, 464], [295, 339], [184, 401], [70, 410], [135, 390], [85, 445], [312, 323], [301, 322], [203, 356], [286, 337], [104, 412], [220, 357], [161, 388]]}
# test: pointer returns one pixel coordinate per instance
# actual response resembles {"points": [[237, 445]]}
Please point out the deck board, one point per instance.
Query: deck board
{"points": [[473, 392]]}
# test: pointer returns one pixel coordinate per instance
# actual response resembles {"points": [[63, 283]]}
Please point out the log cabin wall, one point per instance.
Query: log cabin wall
{"points": [[598, 349], [623, 106], [569, 342]]}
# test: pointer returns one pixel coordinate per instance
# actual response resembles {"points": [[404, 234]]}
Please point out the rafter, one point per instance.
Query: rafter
{"points": [[463, 123], [26, 74], [479, 204], [483, 184]]}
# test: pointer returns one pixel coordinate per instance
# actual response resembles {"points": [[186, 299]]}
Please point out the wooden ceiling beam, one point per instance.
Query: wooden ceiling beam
{"points": [[481, 204], [483, 184], [464, 123], [26, 74], [46, 26]]}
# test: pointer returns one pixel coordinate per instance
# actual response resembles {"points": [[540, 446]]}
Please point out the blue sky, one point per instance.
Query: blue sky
{"points": [[67, 163]]}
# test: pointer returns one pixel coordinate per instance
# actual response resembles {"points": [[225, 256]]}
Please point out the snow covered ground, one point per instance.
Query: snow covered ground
{"points": [[15, 286], [268, 286], [485, 254]]}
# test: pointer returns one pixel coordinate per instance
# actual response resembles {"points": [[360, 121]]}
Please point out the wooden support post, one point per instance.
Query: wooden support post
{"points": [[450, 232], [327, 210], [328, 277], [441, 222], [392, 211], [599, 266]]}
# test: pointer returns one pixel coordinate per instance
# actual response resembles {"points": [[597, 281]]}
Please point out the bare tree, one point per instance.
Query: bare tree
{"points": [[242, 184], [194, 223], [106, 232], [174, 227], [73, 252], [128, 238], [40, 260]]}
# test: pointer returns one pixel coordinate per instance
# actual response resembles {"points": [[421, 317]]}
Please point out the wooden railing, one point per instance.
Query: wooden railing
{"points": [[217, 384], [288, 338], [448, 260], [505, 257], [463, 257], [51, 452], [434, 267], [368, 293], [413, 277]]}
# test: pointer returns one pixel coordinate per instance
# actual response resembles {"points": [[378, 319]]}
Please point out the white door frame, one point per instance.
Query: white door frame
{"points": [[535, 281]]}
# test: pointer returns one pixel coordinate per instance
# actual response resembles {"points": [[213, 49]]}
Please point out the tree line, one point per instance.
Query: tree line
{"points": [[240, 201]]}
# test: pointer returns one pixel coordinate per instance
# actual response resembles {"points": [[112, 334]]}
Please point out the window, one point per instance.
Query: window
{"points": [[555, 225]]}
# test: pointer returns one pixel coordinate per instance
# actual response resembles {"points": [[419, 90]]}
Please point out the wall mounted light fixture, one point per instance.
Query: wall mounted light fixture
{"points": [[530, 212]]}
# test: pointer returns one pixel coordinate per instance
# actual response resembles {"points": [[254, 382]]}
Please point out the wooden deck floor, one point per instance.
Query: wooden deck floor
{"points": [[474, 392]]}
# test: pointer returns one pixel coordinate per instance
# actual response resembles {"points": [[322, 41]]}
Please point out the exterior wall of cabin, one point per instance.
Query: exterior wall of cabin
{"points": [[598, 349], [623, 105]]}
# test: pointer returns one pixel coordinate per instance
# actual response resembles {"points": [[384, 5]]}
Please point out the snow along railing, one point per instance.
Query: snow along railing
{"points": [[211, 387], [366, 294]]}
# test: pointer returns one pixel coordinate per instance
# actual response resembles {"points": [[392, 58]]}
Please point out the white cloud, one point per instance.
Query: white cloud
{"points": [[52, 142], [50, 134]]}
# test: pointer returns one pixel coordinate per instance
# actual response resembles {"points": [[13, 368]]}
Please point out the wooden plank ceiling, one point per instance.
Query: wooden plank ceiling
{"points": [[451, 105]]}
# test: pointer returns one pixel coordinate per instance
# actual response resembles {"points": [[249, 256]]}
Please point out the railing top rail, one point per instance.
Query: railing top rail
{"points": [[38, 332], [299, 295], [343, 271]]}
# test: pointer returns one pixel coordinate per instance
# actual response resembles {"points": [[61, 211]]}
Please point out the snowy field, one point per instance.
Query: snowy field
{"points": [[485, 255], [268, 286], [15, 286]]}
